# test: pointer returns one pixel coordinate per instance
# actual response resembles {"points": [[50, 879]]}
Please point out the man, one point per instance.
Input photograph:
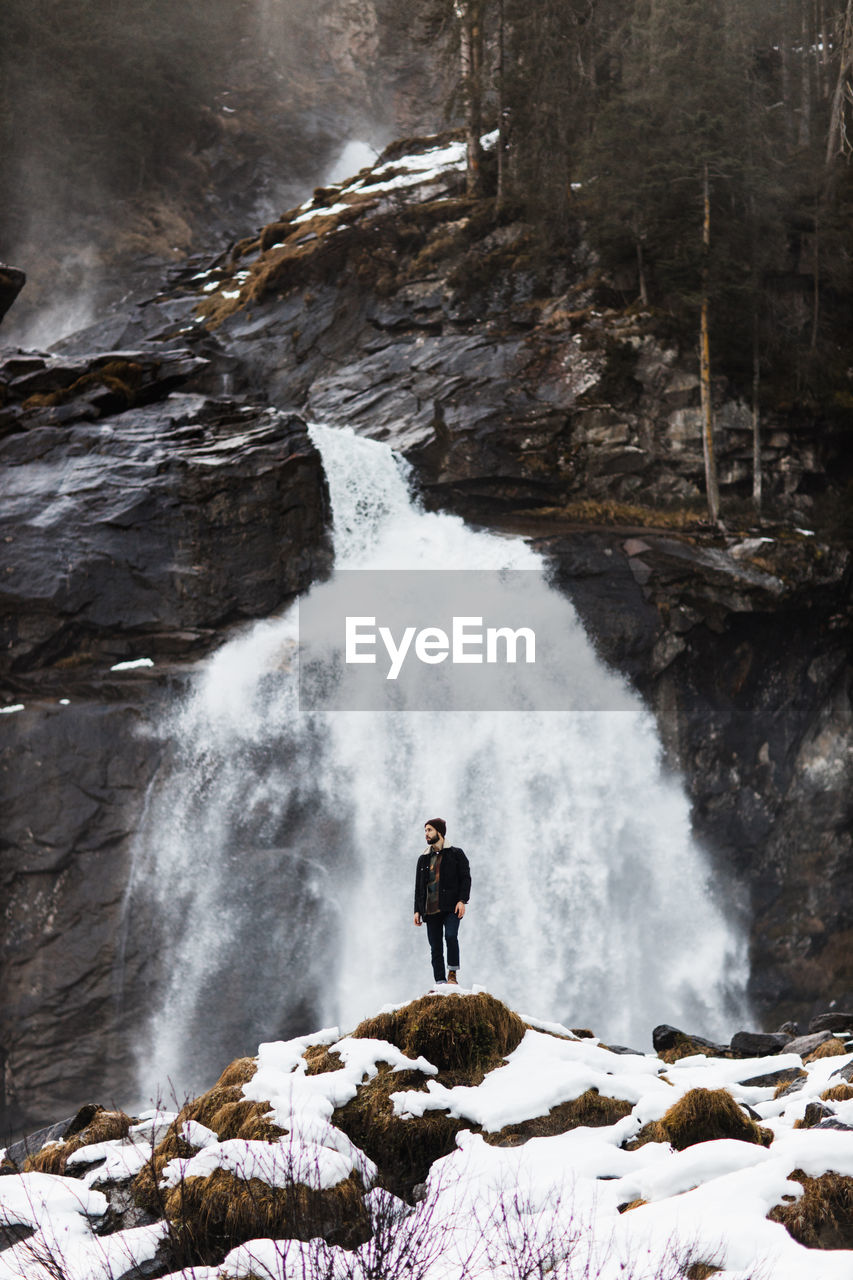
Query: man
{"points": [[442, 887]]}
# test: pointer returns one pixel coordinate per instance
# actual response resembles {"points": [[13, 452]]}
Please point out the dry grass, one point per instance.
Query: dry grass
{"points": [[403, 1150], [213, 1215], [225, 1111], [685, 1047], [822, 1218], [785, 1086], [245, 1119], [471, 1033], [145, 1187], [104, 1127], [632, 1204], [701, 1271], [605, 512], [829, 1049], [240, 1071], [320, 1060], [702, 1115], [591, 1110], [838, 1093], [121, 377]]}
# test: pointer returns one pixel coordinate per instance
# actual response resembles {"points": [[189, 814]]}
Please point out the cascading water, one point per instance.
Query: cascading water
{"points": [[279, 852]]}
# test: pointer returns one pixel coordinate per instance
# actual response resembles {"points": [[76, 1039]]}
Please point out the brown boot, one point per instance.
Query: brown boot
{"points": [[451, 977]]}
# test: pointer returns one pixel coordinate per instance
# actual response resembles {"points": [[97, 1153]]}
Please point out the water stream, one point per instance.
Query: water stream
{"points": [[278, 853]]}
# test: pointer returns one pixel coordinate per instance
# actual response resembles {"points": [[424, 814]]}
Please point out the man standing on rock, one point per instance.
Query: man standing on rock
{"points": [[442, 887]]}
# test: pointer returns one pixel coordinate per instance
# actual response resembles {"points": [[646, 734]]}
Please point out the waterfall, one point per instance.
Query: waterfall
{"points": [[278, 854]]}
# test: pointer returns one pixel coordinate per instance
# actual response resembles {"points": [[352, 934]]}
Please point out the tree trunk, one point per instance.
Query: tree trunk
{"points": [[816, 283], [805, 129], [502, 123], [756, 416], [469, 13], [711, 486], [836, 115], [641, 274]]}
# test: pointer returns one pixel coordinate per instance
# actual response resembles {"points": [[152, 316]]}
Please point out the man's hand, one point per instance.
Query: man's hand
{"points": [[460, 909], [418, 920]]}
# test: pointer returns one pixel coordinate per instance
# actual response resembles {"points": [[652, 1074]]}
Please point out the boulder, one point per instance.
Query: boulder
{"points": [[832, 1022], [786, 1075], [758, 1044], [665, 1038], [804, 1045], [12, 281]]}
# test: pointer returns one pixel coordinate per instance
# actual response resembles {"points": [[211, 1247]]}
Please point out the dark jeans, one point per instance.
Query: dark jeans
{"points": [[444, 924]]}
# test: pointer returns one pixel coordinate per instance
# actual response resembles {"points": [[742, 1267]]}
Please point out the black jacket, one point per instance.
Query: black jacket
{"points": [[454, 880]]}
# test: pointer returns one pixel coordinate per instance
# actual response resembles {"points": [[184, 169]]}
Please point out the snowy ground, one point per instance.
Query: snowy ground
{"points": [[547, 1207]]}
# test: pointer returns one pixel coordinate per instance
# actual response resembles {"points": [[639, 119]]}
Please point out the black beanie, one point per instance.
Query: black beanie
{"points": [[439, 824]]}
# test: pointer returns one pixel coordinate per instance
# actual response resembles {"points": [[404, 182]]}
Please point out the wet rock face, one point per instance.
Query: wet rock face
{"points": [[146, 511], [743, 653], [153, 528], [146, 532]]}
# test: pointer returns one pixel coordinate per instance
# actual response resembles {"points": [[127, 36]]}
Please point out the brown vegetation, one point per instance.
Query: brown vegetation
{"points": [[702, 1115], [225, 1111], [321, 1060], [829, 1049], [240, 1071], [591, 1109], [822, 1218], [790, 1086], [588, 511], [838, 1093], [471, 1033], [402, 1149], [211, 1215], [122, 378], [104, 1127]]}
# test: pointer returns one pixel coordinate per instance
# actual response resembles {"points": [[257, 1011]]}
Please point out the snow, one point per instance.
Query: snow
{"points": [[551, 1203], [133, 664], [60, 1209], [540, 1074], [7, 711]]}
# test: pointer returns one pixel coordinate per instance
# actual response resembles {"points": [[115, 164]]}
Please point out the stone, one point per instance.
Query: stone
{"points": [[758, 1044], [33, 1142], [816, 1113], [786, 1075], [12, 281], [832, 1022], [665, 1037], [804, 1045]]}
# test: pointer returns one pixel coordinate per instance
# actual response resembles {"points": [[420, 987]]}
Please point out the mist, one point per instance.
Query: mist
{"points": [[133, 135]]}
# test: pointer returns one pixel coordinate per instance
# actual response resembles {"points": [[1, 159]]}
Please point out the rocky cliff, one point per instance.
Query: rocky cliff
{"points": [[163, 490]]}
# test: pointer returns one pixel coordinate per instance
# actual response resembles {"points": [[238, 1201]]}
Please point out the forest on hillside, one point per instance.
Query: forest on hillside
{"points": [[702, 147]]}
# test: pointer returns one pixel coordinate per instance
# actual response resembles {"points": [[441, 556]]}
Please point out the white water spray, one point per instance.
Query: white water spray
{"points": [[280, 851]]}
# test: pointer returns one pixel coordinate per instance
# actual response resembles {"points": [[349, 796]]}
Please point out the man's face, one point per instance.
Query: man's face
{"points": [[430, 833]]}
